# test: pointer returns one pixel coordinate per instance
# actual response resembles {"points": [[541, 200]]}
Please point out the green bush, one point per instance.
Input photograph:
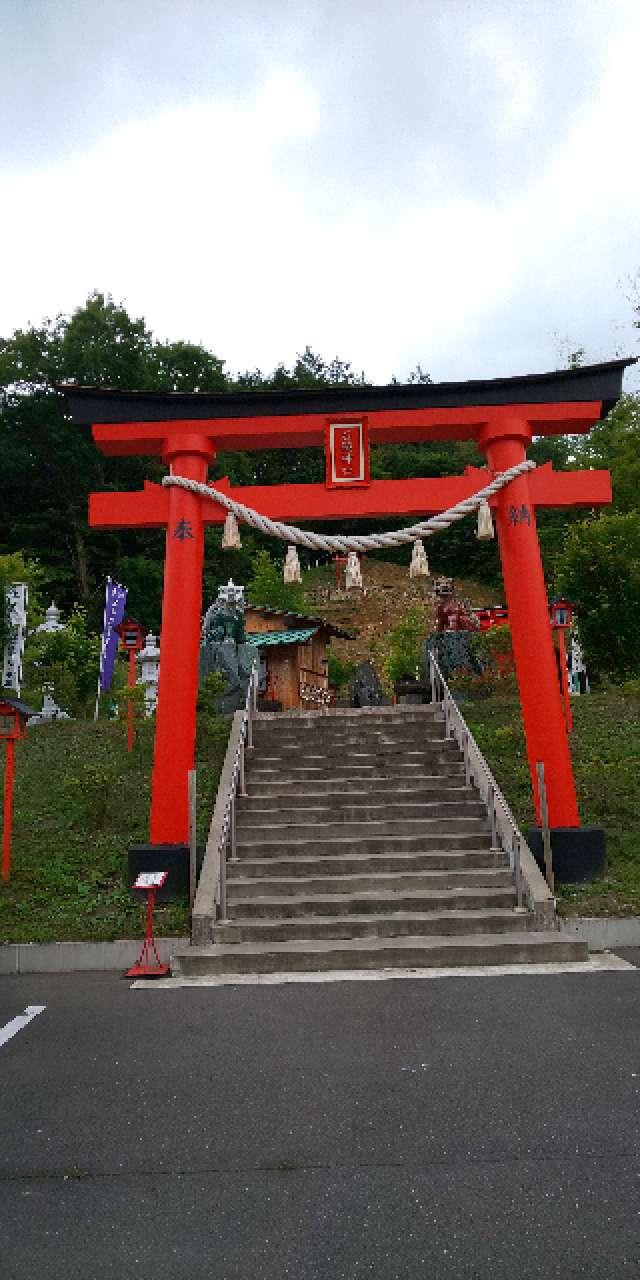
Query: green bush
{"points": [[340, 671], [405, 642], [267, 586], [69, 660]]}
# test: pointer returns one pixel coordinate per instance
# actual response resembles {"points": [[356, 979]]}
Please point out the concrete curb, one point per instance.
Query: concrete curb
{"points": [[75, 957], [603, 933]]}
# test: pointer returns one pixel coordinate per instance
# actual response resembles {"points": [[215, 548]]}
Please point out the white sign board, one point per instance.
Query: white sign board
{"points": [[150, 879], [17, 600]]}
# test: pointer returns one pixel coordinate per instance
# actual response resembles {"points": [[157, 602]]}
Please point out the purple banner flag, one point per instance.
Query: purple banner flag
{"points": [[116, 599]]}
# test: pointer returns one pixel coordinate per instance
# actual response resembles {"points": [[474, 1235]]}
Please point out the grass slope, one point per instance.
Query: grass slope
{"points": [[80, 801], [605, 746]]}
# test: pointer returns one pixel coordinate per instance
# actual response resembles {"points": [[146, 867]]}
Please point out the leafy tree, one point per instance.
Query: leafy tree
{"points": [[614, 444], [54, 464], [600, 573]]}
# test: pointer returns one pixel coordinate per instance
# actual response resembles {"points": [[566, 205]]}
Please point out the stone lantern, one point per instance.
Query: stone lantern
{"points": [[52, 621], [149, 659]]}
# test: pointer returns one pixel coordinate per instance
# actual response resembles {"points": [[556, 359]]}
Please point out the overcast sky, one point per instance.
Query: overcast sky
{"points": [[391, 181]]}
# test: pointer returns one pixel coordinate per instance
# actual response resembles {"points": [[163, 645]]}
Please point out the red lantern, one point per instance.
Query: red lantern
{"points": [[561, 612]]}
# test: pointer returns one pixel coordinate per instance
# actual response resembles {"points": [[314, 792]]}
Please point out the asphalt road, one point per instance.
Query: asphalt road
{"points": [[467, 1128]]}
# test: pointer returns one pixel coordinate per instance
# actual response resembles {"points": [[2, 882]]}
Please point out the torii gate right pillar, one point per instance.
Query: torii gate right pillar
{"points": [[505, 444]]}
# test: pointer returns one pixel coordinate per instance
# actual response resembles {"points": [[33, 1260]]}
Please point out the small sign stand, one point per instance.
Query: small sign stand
{"points": [[149, 882]]}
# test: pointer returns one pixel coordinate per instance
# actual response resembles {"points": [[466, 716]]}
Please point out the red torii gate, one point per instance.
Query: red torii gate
{"points": [[501, 415]]}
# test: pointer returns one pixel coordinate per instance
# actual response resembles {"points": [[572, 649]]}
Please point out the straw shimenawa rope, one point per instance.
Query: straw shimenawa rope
{"points": [[291, 534]]}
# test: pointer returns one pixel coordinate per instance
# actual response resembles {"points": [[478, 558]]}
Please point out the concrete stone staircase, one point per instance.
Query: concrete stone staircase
{"points": [[359, 846]]}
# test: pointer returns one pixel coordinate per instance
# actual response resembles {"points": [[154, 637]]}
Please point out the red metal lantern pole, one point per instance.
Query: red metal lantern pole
{"points": [[9, 770], [564, 676], [131, 735]]}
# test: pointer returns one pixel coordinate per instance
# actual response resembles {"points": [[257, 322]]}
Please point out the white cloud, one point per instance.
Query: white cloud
{"points": [[219, 222]]}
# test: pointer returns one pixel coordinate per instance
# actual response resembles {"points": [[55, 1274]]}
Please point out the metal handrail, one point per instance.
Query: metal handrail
{"points": [[227, 831], [505, 832]]}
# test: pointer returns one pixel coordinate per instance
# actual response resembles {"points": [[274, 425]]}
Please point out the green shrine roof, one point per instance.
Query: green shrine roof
{"points": [[261, 638]]}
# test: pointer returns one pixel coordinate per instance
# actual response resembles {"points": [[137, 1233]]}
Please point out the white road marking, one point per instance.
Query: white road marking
{"points": [[18, 1024], [601, 962]]}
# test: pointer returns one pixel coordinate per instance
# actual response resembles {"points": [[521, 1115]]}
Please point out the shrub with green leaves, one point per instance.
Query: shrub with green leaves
{"points": [[339, 671], [268, 587], [405, 640], [69, 660]]}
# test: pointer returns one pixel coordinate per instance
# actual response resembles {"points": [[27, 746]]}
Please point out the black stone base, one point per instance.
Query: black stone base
{"points": [[412, 691], [173, 858], [578, 853]]}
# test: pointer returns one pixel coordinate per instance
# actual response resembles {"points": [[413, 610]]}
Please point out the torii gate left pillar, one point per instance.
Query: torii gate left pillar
{"points": [[189, 456]]}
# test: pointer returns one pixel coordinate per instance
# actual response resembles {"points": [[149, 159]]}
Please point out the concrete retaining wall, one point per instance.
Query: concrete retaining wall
{"points": [[603, 933], [73, 957]]}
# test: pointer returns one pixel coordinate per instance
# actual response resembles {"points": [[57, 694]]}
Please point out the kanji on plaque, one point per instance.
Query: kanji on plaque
{"points": [[347, 453]]}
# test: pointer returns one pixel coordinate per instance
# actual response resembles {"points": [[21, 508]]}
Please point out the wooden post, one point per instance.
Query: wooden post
{"points": [[546, 834]]}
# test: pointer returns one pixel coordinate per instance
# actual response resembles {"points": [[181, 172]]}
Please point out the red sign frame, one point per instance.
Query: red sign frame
{"points": [[347, 453]]}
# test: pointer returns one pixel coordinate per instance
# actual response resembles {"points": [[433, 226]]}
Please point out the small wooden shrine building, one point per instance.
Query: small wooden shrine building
{"points": [[293, 657]]}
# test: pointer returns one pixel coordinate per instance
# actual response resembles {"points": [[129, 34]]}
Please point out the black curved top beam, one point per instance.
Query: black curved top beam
{"points": [[593, 382]]}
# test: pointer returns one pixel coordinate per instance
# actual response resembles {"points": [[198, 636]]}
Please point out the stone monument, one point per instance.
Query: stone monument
{"points": [[365, 689], [149, 659], [451, 642], [223, 646], [50, 709]]}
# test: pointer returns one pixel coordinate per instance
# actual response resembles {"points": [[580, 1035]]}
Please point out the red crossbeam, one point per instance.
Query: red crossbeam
{"points": [[300, 503], [386, 426]]}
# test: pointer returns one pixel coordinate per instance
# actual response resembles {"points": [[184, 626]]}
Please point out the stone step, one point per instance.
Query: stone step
{"points": [[361, 755], [301, 886], [252, 811], [355, 718], [396, 767], [320, 845], [379, 901], [359, 830], [420, 952], [336, 788], [397, 925], [411, 736], [360, 863]]}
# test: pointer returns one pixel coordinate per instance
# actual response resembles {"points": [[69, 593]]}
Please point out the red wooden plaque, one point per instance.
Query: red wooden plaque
{"points": [[347, 453]]}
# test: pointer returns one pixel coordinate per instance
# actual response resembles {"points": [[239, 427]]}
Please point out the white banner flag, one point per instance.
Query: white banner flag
{"points": [[17, 601]]}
